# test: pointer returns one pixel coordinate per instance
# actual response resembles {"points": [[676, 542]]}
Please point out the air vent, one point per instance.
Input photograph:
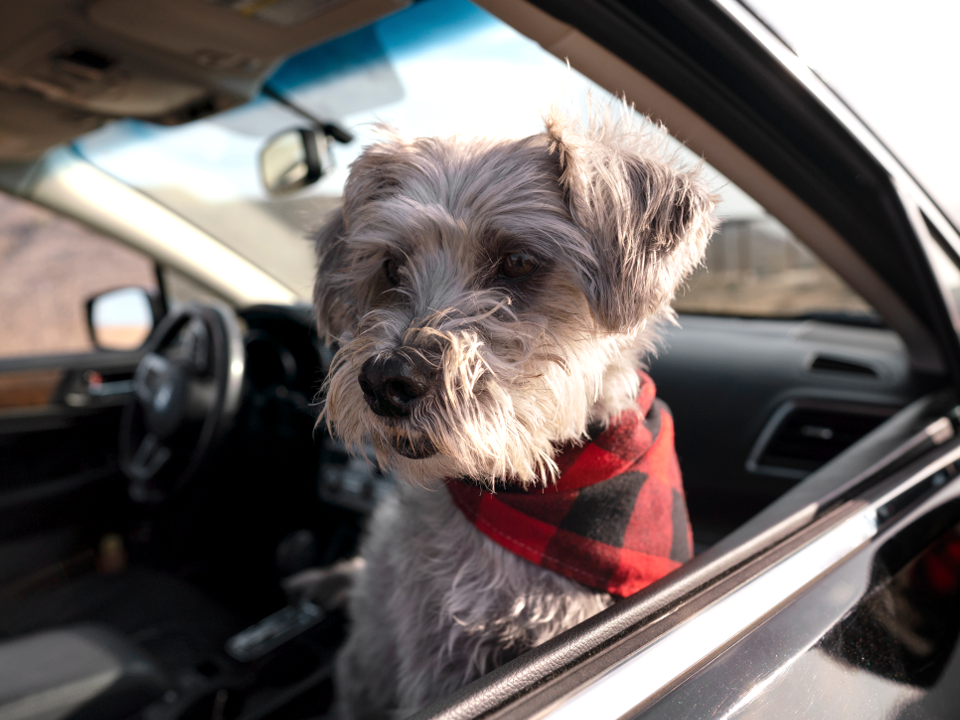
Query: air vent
{"points": [[798, 440], [832, 364]]}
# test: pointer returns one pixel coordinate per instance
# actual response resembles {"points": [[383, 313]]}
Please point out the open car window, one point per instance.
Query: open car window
{"points": [[755, 267], [50, 266]]}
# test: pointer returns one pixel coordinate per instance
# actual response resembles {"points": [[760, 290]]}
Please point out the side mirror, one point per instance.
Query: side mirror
{"points": [[294, 159], [121, 319]]}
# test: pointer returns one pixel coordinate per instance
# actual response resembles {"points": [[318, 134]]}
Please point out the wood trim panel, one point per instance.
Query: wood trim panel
{"points": [[29, 388]]}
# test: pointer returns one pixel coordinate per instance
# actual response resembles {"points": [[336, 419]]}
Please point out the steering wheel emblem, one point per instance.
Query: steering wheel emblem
{"points": [[161, 400]]}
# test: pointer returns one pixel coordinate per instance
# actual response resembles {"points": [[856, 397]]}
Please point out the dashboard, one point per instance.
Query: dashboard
{"points": [[760, 404], [286, 366]]}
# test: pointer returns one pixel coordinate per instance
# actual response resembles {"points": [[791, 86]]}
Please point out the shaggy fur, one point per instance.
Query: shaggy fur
{"points": [[412, 265]]}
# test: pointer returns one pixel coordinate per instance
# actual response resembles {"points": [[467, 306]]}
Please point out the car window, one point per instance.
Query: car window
{"points": [[755, 267], [49, 268], [435, 68]]}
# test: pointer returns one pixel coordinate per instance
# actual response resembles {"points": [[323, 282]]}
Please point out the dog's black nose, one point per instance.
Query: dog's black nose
{"points": [[392, 384]]}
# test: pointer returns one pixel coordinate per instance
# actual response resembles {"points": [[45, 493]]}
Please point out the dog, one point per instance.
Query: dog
{"points": [[492, 300]]}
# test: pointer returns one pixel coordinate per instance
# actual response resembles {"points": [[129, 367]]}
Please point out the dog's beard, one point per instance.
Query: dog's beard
{"points": [[490, 434], [415, 449], [507, 392]]}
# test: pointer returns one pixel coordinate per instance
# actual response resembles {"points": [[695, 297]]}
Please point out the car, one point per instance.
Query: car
{"points": [[162, 468]]}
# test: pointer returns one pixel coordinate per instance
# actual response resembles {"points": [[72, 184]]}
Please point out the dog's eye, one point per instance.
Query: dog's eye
{"points": [[392, 268], [518, 265]]}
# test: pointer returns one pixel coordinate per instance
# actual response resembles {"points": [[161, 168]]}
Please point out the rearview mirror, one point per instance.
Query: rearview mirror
{"points": [[293, 159], [121, 319]]}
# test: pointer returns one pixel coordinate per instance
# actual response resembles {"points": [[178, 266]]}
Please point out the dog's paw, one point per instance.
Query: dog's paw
{"points": [[329, 587]]}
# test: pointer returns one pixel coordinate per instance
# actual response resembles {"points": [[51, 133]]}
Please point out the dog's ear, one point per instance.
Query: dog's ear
{"points": [[375, 174], [338, 294], [648, 220], [335, 311]]}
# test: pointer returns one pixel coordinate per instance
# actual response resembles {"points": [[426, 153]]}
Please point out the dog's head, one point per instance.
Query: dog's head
{"points": [[489, 296]]}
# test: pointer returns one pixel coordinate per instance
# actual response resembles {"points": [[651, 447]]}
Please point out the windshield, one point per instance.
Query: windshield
{"points": [[439, 67]]}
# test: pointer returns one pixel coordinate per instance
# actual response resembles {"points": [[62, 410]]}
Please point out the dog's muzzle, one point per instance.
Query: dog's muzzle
{"points": [[393, 383]]}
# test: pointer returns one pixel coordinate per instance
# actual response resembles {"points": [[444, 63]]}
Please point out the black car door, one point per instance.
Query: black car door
{"points": [[60, 398]]}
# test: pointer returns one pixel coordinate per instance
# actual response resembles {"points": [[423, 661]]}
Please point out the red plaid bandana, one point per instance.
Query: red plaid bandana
{"points": [[615, 520]]}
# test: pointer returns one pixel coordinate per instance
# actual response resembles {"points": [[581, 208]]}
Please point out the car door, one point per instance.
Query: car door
{"points": [[60, 398], [839, 608]]}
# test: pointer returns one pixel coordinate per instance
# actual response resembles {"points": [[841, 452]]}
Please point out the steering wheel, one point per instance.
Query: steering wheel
{"points": [[187, 391]]}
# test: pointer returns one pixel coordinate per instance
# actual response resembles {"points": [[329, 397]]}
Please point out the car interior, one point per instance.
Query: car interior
{"points": [[143, 544]]}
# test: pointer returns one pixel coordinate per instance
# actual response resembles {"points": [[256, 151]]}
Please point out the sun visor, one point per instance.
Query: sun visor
{"points": [[66, 66], [235, 34]]}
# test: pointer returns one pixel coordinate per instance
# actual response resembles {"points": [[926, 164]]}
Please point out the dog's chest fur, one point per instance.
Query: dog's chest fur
{"points": [[439, 604]]}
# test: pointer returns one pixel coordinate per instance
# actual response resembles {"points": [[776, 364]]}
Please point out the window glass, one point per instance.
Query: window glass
{"points": [[755, 267], [439, 67], [49, 268]]}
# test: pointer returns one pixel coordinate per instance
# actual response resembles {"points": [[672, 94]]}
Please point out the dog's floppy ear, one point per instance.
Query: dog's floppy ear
{"points": [[335, 311], [648, 220], [337, 294], [376, 173]]}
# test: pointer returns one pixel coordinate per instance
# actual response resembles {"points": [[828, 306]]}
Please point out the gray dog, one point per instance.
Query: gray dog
{"points": [[492, 300]]}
